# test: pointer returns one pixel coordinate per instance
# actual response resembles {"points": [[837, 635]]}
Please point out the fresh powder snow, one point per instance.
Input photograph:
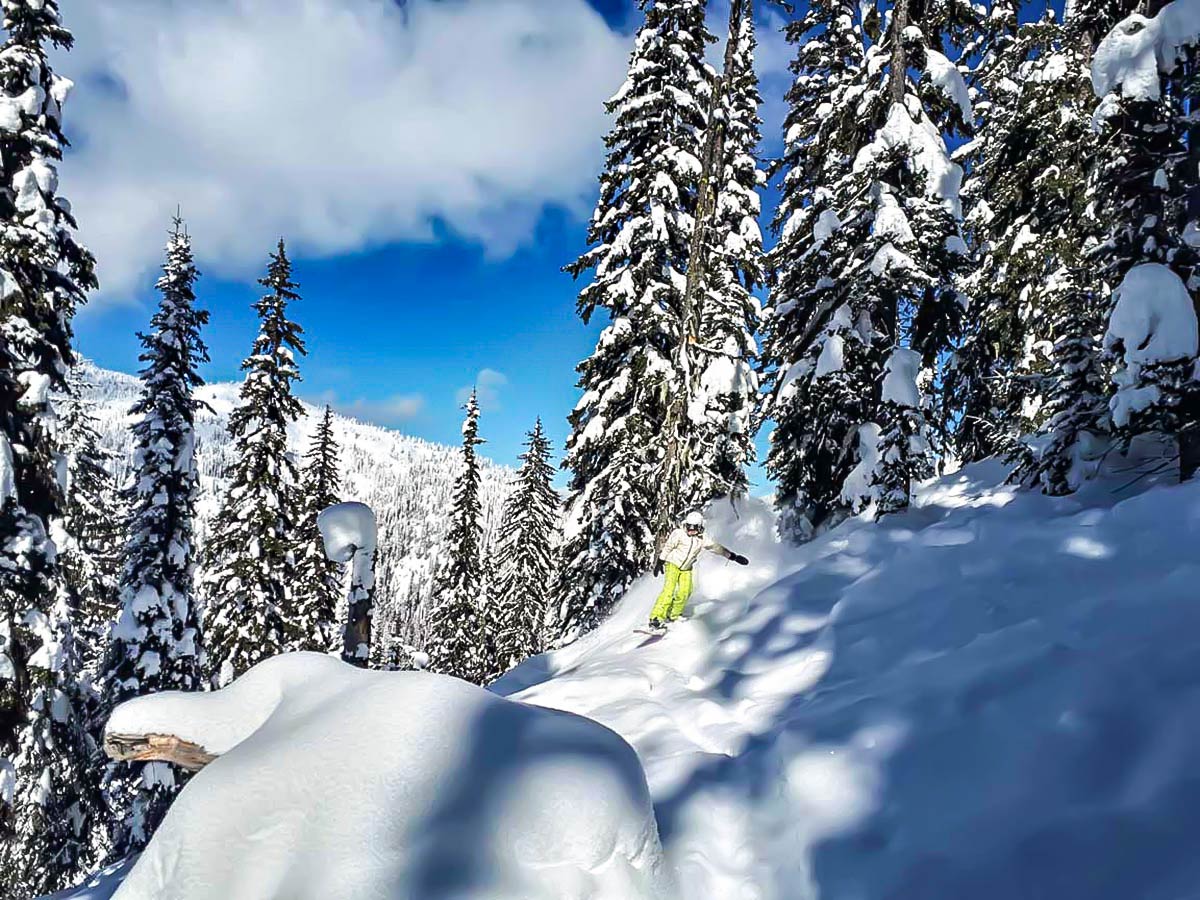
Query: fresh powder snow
{"points": [[334, 781], [991, 695]]}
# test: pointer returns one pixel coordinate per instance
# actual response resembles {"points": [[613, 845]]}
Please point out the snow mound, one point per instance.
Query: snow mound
{"points": [[334, 781], [1152, 322], [995, 695], [346, 529]]}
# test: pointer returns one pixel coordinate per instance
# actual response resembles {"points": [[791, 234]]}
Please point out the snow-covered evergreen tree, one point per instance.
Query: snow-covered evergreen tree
{"points": [[318, 580], [458, 643], [45, 808], [1077, 408], [819, 362], [250, 566], [868, 253], [726, 401], [1027, 223], [641, 236], [525, 557], [92, 535], [156, 642], [1142, 185]]}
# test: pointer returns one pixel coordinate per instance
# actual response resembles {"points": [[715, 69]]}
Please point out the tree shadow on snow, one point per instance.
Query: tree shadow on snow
{"points": [[453, 846]]}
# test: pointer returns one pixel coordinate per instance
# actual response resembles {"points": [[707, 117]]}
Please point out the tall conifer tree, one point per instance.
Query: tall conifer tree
{"points": [[92, 525], [726, 396], [525, 553], [156, 643], [318, 580], [250, 557], [641, 236], [868, 253], [45, 274], [1031, 298], [458, 642], [1143, 185]]}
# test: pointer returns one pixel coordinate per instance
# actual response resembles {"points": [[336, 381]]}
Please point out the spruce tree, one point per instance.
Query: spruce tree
{"points": [[92, 538], [1077, 408], [1027, 222], [318, 580], [819, 361], [156, 643], [45, 810], [641, 236], [1142, 186], [868, 254], [525, 553], [458, 643], [727, 397], [251, 571]]}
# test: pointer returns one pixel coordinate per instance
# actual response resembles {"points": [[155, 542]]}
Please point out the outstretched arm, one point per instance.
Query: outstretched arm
{"points": [[713, 547]]}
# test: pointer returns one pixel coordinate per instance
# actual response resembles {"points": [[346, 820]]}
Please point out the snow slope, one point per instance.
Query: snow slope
{"points": [[996, 695], [407, 481]]}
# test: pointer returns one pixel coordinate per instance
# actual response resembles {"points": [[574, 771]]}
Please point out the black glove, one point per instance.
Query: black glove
{"points": [[739, 559], [658, 567]]}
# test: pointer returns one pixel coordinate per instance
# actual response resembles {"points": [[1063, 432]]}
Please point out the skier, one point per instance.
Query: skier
{"points": [[678, 556]]}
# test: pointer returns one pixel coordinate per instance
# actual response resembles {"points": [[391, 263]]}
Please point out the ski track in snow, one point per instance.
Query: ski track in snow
{"points": [[992, 695]]}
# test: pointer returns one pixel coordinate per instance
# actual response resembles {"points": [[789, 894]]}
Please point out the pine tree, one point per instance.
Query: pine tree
{"points": [[1142, 185], [641, 236], [45, 813], [1027, 222], [727, 396], [318, 580], [1077, 408], [251, 570], [868, 254], [156, 642], [525, 552], [458, 644], [92, 533], [819, 361]]}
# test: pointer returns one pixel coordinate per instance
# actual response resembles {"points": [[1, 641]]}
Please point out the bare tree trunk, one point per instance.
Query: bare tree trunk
{"points": [[899, 56], [360, 609], [712, 166]]}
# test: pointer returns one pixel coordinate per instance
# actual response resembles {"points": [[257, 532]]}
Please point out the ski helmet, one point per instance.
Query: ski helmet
{"points": [[694, 519]]}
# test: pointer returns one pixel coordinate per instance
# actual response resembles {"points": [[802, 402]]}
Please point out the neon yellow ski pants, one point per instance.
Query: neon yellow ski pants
{"points": [[677, 588]]}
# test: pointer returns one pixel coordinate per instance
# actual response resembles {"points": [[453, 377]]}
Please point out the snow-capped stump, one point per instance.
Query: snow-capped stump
{"points": [[348, 530], [332, 781], [350, 535]]}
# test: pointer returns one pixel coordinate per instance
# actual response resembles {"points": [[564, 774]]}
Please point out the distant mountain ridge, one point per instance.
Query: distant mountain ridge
{"points": [[409, 482]]}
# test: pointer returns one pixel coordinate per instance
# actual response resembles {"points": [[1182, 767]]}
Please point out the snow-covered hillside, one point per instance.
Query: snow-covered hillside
{"points": [[995, 695], [407, 481]]}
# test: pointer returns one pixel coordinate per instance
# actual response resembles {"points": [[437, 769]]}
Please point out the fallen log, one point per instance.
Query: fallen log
{"points": [[157, 748]]}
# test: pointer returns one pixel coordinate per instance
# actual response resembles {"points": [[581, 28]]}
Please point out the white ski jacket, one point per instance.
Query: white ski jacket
{"points": [[682, 550]]}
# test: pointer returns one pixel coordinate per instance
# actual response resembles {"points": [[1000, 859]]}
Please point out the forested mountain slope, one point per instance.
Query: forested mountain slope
{"points": [[409, 482]]}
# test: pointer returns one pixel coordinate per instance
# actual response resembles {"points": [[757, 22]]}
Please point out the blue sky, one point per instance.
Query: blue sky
{"points": [[429, 203]]}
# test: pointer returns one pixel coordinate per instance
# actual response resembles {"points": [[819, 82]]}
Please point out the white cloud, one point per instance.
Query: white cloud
{"points": [[487, 386], [340, 124], [393, 410]]}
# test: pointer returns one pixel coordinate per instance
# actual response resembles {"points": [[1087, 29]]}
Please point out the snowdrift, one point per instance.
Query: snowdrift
{"points": [[333, 781], [995, 695]]}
